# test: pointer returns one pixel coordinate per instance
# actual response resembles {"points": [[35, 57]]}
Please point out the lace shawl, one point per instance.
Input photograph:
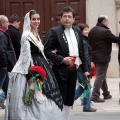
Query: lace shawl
{"points": [[25, 59]]}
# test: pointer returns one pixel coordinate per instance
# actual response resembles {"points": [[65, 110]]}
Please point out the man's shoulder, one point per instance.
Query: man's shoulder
{"points": [[57, 28], [2, 34], [95, 27], [13, 32], [3, 37], [75, 27], [62, 27], [98, 29], [12, 29]]}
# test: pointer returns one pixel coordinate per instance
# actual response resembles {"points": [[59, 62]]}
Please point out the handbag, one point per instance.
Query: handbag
{"points": [[93, 69]]}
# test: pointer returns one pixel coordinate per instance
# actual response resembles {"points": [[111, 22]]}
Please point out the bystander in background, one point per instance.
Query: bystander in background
{"points": [[7, 56], [15, 35], [101, 39], [80, 74]]}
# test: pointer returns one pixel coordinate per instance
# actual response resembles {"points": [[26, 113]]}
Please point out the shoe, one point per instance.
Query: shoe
{"points": [[107, 97], [2, 104], [90, 110], [99, 100]]}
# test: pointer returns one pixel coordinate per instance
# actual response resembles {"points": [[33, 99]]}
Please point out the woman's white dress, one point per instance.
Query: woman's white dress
{"points": [[49, 109]]}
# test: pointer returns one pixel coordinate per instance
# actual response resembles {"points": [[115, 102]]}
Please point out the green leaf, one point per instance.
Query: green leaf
{"points": [[28, 97]]}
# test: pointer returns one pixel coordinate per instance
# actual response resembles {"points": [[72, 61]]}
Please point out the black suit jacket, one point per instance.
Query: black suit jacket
{"points": [[56, 40], [15, 36], [7, 54]]}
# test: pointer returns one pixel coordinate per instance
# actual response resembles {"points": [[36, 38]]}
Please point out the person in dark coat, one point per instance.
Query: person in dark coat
{"points": [[101, 40], [80, 75], [6, 52], [67, 40], [14, 33], [15, 36]]}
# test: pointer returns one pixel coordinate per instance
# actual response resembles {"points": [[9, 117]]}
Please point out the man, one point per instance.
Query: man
{"points": [[66, 39], [6, 51], [15, 35], [101, 40]]}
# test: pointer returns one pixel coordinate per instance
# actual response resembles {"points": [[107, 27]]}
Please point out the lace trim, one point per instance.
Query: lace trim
{"points": [[23, 62]]}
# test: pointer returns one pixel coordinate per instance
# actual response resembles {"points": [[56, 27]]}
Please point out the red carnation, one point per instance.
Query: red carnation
{"points": [[39, 70]]}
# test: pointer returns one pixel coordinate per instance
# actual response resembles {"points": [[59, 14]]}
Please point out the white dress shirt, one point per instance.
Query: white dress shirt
{"points": [[72, 45]]}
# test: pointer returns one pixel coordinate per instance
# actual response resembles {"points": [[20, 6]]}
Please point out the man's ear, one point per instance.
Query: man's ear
{"points": [[14, 22], [60, 19], [1, 24], [103, 21], [74, 19]]}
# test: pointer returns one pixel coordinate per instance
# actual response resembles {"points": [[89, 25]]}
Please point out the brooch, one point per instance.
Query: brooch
{"points": [[76, 34], [64, 38]]}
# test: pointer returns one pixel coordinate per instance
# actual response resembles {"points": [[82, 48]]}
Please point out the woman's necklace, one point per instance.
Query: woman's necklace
{"points": [[34, 32], [36, 37]]}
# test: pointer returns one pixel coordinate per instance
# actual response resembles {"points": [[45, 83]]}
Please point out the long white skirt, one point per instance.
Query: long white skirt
{"points": [[17, 110]]}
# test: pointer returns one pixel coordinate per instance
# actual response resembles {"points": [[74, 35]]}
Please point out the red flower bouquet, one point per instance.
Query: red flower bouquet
{"points": [[38, 70], [38, 78]]}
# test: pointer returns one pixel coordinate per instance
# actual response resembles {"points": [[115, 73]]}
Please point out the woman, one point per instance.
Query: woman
{"points": [[32, 54], [80, 75]]}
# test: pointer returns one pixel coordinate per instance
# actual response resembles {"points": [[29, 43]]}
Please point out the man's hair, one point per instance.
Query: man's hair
{"points": [[14, 18], [82, 26], [2, 18], [67, 9], [100, 19]]}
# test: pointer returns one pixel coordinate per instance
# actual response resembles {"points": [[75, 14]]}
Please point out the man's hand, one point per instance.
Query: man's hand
{"points": [[54, 51], [67, 60], [86, 74]]}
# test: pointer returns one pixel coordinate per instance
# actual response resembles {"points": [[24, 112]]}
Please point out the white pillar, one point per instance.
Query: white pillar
{"points": [[113, 70]]}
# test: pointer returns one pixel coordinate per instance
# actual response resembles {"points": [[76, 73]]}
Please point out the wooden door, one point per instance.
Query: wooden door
{"points": [[49, 11], [20, 7], [77, 5]]}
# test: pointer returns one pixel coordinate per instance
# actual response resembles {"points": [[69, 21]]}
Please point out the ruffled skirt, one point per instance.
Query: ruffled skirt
{"points": [[49, 109], [17, 110]]}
